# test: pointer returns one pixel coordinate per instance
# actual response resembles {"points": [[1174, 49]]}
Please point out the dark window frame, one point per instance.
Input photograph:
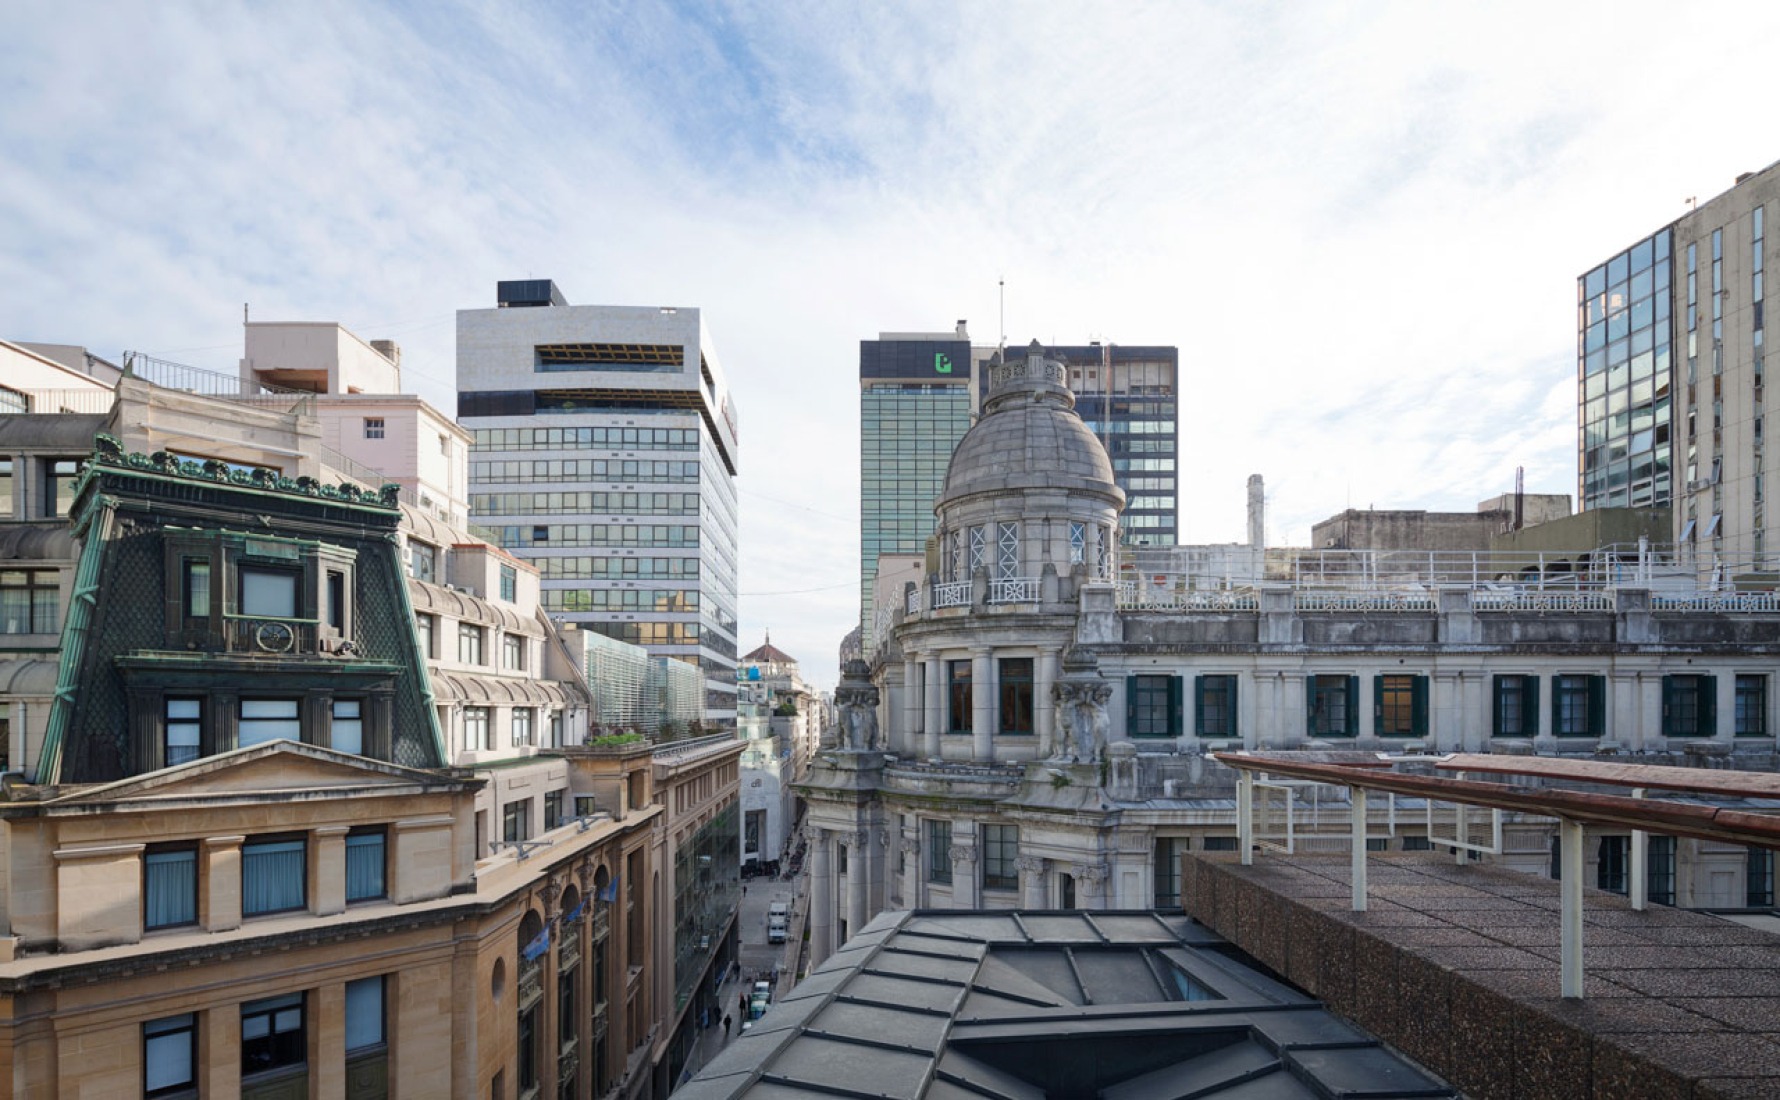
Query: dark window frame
{"points": [[185, 849], [1214, 698], [358, 838], [302, 904], [1015, 696], [278, 1050], [1001, 857], [185, 1024], [958, 696], [1514, 706]]}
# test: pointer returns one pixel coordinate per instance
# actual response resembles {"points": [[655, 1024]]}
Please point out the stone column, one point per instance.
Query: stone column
{"points": [[1032, 882], [936, 706], [219, 895], [220, 1053], [327, 1016], [1623, 706], [982, 706], [1090, 885], [911, 872], [1364, 728], [908, 736], [1044, 717], [1446, 712], [1727, 707], [858, 871], [821, 896], [966, 892], [330, 869]]}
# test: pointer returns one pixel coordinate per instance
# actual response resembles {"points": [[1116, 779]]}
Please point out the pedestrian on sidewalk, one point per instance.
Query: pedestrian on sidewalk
{"points": [[726, 1027]]}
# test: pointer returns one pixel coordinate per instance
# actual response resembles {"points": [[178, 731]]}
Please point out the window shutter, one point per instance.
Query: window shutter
{"points": [[1419, 707], [1668, 706], [1130, 705], [1310, 705], [1496, 704], [1230, 707], [1378, 705], [1176, 704], [1708, 706], [1557, 726], [1199, 706], [1597, 705], [1529, 686], [1353, 705]]}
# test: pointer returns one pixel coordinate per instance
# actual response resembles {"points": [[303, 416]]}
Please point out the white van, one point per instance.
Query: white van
{"points": [[775, 930]]}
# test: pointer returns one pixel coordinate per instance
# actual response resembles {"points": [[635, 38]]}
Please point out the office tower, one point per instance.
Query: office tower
{"points": [[1129, 398], [914, 407], [604, 452], [1670, 371]]}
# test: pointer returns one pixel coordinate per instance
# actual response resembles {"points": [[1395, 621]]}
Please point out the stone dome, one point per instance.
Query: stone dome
{"points": [[1029, 437]]}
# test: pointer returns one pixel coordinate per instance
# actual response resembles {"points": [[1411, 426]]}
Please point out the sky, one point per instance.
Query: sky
{"points": [[1361, 224]]}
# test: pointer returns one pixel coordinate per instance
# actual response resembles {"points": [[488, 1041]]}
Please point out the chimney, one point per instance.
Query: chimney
{"points": [[962, 334], [389, 349], [1257, 512]]}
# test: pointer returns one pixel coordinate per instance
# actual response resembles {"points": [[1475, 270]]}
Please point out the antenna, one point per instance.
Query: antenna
{"points": [[1001, 322]]}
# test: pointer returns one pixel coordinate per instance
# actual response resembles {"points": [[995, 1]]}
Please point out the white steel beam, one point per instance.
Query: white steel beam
{"points": [[1357, 796], [1570, 894]]}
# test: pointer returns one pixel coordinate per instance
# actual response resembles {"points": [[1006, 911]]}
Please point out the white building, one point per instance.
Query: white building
{"points": [[605, 453]]}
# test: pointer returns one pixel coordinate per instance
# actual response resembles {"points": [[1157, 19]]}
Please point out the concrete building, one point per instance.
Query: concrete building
{"points": [[1670, 368], [781, 722], [915, 404], [1034, 733], [605, 453], [1415, 529]]}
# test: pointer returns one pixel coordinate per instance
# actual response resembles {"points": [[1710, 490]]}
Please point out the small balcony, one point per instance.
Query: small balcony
{"points": [[531, 984], [950, 594], [1014, 590], [261, 636]]}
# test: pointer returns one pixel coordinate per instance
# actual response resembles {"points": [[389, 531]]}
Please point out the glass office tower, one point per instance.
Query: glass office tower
{"points": [[914, 407], [1130, 398], [605, 454], [1624, 355]]}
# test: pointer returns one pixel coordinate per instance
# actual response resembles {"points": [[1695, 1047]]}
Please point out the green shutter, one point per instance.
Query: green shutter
{"points": [[1378, 705], [1708, 706], [1310, 706], [1557, 726], [1529, 707], [1496, 704], [1176, 703], [1353, 706], [1597, 705], [1199, 706], [1230, 689], [1419, 707]]}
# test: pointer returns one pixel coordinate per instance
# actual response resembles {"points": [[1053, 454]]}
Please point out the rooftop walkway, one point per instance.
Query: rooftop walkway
{"points": [[1457, 966]]}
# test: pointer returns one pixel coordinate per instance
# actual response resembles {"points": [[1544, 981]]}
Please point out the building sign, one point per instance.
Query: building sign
{"points": [[941, 364]]}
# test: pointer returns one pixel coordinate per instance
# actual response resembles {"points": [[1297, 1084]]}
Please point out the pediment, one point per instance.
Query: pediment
{"points": [[269, 769]]}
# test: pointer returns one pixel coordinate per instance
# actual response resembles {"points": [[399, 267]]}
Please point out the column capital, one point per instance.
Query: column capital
{"points": [[1091, 873], [814, 834], [909, 847], [963, 854], [1031, 865]]}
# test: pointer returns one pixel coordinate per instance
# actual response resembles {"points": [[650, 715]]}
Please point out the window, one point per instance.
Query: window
{"points": [[195, 587], [1578, 705], [476, 735], [509, 583], [6, 490], [1752, 706], [273, 876], [1332, 708], [1610, 865], [426, 626], [552, 810], [1220, 844], [469, 643], [1001, 852], [1168, 852], [1417, 844], [364, 1014], [1515, 706], [1016, 695], [272, 1034], [516, 821], [1689, 703], [170, 1056], [336, 592], [1659, 867], [366, 850], [958, 696], [28, 601], [1214, 706], [185, 724], [1007, 547], [1759, 885], [268, 593], [373, 427], [939, 852], [348, 732], [1151, 705], [59, 477], [512, 651], [265, 720], [169, 887], [522, 725], [1078, 543], [1400, 706], [420, 561], [979, 549]]}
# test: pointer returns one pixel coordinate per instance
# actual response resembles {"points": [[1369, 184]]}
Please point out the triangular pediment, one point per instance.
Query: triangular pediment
{"points": [[278, 767]]}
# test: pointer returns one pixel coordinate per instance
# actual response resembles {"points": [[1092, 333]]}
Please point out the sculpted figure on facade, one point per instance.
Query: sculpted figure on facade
{"points": [[1081, 696], [857, 700]]}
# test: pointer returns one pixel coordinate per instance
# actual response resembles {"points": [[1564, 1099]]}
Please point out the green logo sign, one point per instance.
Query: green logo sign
{"points": [[941, 365]]}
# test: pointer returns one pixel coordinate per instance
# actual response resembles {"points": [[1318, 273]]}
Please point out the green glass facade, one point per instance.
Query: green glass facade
{"points": [[907, 431]]}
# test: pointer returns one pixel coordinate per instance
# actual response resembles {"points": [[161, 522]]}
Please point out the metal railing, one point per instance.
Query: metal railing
{"points": [[950, 594], [913, 604], [269, 636], [188, 379], [97, 401], [1014, 590], [1524, 601], [1143, 596], [1394, 602]]}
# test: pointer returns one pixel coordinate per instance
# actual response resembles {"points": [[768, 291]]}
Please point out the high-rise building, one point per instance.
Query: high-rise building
{"points": [[1670, 368], [605, 453], [1129, 398], [914, 407]]}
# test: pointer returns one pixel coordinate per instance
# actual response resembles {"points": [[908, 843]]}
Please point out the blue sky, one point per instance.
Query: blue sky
{"points": [[1361, 223]]}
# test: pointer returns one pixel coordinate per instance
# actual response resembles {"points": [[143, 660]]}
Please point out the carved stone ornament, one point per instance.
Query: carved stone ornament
{"points": [[909, 847], [1031, 865], [961, 854], [856, 700], [1091, 874], [1081, 696], [856, 840], [814, 834]]}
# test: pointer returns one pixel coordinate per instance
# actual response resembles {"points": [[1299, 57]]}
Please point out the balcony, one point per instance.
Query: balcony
{"points": [[568, 949], [601, 922], [1014, 590], [950, 594], [531, 984], [270, 637]]}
